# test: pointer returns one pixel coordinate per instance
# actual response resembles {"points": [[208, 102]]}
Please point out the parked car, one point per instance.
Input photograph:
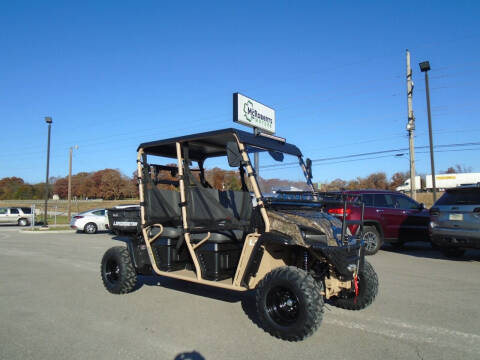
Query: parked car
{"points": [[389, 217], [90, 221], [455, 220], [21, 216]]}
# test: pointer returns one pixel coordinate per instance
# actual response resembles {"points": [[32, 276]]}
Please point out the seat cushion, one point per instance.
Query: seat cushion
{"points": [[168, 232], [224, 236]]}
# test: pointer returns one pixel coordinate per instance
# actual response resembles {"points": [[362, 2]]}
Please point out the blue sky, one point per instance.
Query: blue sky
{"points": [[113, 74]]}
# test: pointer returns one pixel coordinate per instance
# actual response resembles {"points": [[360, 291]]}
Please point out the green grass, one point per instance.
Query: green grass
{"points": [[61, 219]]}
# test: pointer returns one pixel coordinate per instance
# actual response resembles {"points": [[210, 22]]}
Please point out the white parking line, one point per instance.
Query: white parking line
{"points": [[401, 330]]}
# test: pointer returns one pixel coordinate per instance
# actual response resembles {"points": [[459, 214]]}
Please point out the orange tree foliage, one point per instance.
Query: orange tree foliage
{"points": [[107, 184], [111, 184]]}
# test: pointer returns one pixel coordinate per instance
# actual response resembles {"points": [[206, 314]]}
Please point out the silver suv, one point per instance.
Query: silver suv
{"points": [[16, 215], [455, 220]]}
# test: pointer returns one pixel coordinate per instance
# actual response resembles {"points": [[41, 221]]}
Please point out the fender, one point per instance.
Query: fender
{"points": [[377, 224], [272, 237], [139, 256]]}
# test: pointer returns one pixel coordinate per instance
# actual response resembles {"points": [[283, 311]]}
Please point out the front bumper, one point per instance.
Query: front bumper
{"points": [[448, 237]]}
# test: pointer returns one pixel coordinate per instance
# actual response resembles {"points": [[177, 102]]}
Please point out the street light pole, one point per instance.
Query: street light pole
{"points": [[48, 120], [425, 67], [70, 183]]}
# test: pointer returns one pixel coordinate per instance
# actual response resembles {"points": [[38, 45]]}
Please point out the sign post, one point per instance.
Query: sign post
{"points": [[251, 113]]}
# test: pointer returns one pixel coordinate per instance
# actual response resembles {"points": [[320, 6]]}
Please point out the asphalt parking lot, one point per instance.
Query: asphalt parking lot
{"points": [[53, 306]]}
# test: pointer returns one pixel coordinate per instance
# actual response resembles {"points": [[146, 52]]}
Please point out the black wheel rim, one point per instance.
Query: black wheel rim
{"points": [[112, 271], [282, 306]]}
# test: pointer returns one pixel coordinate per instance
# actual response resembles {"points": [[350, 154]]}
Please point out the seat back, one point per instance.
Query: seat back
{"points": [[239, 202], [161, 206]]}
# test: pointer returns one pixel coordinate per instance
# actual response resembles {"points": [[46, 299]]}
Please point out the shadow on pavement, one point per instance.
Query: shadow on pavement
{"points": [[425, 249], [194, 355], [189, 287], [246, 298]]}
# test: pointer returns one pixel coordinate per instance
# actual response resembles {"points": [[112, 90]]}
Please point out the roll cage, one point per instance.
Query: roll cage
{"points": [[195, 208]]}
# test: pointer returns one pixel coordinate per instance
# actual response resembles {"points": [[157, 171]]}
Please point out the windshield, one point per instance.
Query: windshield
{"points": [[460, 197], [277, 174]]}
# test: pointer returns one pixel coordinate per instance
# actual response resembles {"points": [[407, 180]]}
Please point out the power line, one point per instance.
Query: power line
{"points": [[295, 165], [371, 153]]}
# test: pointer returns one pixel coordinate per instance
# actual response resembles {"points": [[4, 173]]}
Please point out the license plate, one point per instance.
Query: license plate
{"points": [[455, 217]]}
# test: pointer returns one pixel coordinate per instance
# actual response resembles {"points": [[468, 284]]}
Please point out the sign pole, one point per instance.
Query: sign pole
{"points": [[256, 156]]}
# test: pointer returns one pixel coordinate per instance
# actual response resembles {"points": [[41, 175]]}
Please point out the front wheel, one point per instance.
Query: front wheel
{"points": [[23, 222], [117, 270], [367, 290], [289, 303], [373, 240]]}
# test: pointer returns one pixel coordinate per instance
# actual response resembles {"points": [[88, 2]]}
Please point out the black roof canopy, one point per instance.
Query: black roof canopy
{"points": [[213, 143]]}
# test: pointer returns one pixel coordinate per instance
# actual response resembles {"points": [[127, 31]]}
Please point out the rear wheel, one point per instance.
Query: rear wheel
{"points": [[289, 303], [373, 240], [117, 270], [90, 228], [367, 290]]}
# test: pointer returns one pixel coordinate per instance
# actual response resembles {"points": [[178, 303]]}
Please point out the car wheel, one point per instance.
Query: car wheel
{"points": [[289, 303], [367, 290], [453, 252], [117, 270], [90, 228], [373, 240], [22, 222]]}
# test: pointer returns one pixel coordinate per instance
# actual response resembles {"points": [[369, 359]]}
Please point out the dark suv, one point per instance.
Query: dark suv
{"points": [[389, 216], [455, 220]]}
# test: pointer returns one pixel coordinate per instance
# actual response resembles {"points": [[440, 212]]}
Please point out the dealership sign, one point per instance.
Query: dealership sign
{"points": [[252, 113]]}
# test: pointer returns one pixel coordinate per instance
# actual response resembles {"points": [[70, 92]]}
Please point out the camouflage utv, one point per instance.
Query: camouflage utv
{"points": [[290, 252]]}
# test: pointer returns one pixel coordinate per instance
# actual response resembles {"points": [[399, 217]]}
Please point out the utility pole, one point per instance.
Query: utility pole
{"points": [[70, 183], [411, 128], [48, 120]]}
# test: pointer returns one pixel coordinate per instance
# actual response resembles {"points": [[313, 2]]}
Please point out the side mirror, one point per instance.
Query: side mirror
{"points": [[233, 154], [309, 168], [421, 206], [276, 155]]}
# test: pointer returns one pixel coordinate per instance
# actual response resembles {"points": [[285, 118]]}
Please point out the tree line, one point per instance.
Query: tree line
{"points": [[111, 184], [108, 184], [379, 180]]}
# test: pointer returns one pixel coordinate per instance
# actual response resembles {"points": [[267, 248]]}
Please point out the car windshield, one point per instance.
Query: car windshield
{"points": [[460, 197], [279, 172]]}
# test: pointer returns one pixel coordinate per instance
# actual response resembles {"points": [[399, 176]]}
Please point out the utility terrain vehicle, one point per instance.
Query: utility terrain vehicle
{"points": [[289, 251]]}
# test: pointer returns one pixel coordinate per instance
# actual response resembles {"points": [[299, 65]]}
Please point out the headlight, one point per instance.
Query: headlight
{"points": [[352, 267]]}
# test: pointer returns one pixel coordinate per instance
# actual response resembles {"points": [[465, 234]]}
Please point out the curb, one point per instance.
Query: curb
{"points": [[48, 232]]}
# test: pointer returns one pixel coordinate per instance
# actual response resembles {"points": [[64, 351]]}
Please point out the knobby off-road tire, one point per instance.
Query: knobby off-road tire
{"points": [[367, 290], [118, 273], [289, 303], [373, 240]]}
